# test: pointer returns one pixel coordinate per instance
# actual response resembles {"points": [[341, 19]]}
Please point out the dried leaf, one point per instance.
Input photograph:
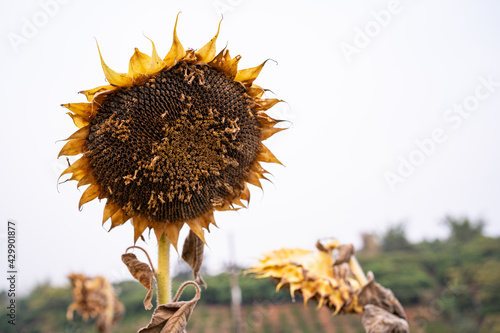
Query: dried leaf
{"points": [[373, 293], [142, 273], [192, 253], [345, 253], [377, 320], [321, 247], [172, 317]]}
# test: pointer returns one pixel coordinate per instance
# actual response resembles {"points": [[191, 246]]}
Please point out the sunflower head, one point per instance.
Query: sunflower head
{"points": [[322, 275], [95, 298], [172, 140]]}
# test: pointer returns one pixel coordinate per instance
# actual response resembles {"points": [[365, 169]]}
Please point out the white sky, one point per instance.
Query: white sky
{"points": [[351, 121]]}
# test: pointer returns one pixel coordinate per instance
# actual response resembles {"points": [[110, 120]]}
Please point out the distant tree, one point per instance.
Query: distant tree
{"points": [[395, 239], [463, 230], [371, 243]]}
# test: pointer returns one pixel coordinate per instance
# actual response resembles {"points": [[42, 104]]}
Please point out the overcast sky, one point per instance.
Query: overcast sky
{"points": [[393, 110]]}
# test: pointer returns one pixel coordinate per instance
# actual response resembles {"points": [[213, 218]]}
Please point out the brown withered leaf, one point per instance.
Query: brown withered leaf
{"points": [[377, 320], [192, 253], [321, 247], [142, 273], [345, 253], [172, 317], [373, 293]]}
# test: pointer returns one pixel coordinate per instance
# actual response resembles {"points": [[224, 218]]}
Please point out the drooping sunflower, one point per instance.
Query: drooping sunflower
{"points": [[333, 277], [172, 140], [318, 275]]}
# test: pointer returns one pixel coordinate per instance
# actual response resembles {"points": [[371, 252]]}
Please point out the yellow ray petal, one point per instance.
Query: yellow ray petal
{"points": [[237, 201], [78, 169], [177, 51], [90, 194], [82, 133], [155, 64], [254, 179], [224, 63], [219, 60], [172, 231], [265, 120], [109, 210], [196, 225], [88, 178], [259, 170], [114, 78], [209, 217], [267, 132], [245, 195], [72, 147], [225, 206], [293, 288], [140, 224], [138, 64], [158, 228], [77, 175], [255, 91], [117, 219], [231, 66], [82, 163], [78, 121], [247, 76], [265, 155], [91, 92], [265, 104], [84, 110], [207, 52]]}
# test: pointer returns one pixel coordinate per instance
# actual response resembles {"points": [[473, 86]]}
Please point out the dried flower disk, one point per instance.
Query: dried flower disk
{"points": [[172, 140]]}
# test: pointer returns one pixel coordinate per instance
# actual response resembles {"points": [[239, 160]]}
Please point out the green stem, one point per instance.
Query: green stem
{"points": [[163, 272]]}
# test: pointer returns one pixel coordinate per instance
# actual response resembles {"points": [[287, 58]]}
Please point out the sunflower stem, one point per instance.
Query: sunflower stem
{"points": [[162, 274]]}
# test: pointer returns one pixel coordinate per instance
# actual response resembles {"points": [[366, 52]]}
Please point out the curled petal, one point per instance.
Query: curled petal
{"points": [[87, 179], [172, 231], [156, 64], [207, 52], [196, 226], [114, 78], [265, 155], [78, 121], [109, 210], [139, 64], [140, 224], [267, 132], [177, 51], [89, 94], [72, 147], [265, 104], [84, 110], [90, 194], [247, 76], [81, 134]]}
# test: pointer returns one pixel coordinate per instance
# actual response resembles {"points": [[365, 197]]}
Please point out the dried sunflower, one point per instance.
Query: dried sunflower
{"points": [[172, 140], [333, 277], [320, 275], [95, 298]]}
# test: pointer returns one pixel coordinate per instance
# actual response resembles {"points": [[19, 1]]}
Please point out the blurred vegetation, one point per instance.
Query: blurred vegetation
{"points": [[450, 285], [453, 284]]}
